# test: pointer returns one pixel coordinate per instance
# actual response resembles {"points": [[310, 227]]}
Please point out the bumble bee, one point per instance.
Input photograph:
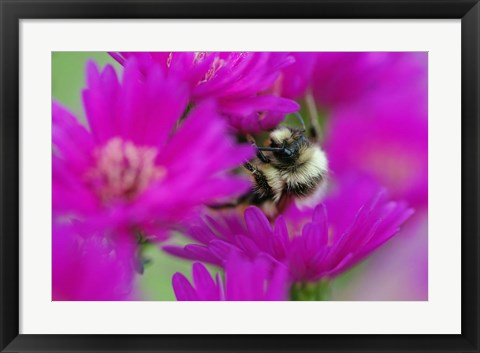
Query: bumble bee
{"points": [[292, 166]]}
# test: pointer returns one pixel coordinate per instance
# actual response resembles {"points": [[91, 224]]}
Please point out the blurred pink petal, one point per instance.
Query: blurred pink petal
{"points": [[252, 280], [237, 81], [140, 164]]}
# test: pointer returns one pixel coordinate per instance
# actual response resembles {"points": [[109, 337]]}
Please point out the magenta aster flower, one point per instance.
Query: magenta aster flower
{"points": [[340, 79], [90, 268], [362, 220], [239, 82], [405, 257], [297, 78], [139, 166], [385, 138], [248, 280]]}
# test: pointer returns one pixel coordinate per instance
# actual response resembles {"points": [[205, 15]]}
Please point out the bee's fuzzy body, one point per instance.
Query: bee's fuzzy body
{"points": [[296, 169]]}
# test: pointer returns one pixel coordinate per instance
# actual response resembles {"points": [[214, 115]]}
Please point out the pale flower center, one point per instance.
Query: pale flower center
{"points": [[123, 170]]}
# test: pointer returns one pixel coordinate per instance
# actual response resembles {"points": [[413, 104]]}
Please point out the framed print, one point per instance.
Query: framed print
{"points": [[237, 176]]}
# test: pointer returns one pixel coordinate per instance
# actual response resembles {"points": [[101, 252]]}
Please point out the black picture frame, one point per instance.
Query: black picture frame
{"points": [[12, 11]]}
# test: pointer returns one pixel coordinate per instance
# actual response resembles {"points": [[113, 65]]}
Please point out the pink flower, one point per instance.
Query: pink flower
{"points": [[297, 78], [140, 166], [362, 220], [397, 271], [90, 268], [244, 280], [237, 81], [338, 79], [385, 138]]}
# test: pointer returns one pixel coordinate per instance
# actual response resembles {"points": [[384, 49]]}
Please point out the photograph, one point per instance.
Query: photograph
{"points": [[239, 176]]}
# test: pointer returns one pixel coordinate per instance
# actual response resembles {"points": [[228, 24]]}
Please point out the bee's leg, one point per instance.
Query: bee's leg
{"points": [[260, 154], [238, 201], [250, 168], [257, 196], [262, 157], [263, 189], [232, 204]]}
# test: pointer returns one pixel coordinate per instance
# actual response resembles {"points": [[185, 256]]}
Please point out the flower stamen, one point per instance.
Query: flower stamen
{"points": [[123, 170]]}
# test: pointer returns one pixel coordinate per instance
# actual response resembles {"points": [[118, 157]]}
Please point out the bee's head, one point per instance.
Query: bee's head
{"points": [[286, 143]]}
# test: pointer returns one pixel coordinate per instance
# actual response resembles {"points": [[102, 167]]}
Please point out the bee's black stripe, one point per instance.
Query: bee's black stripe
{"points": [[304, 189]]}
